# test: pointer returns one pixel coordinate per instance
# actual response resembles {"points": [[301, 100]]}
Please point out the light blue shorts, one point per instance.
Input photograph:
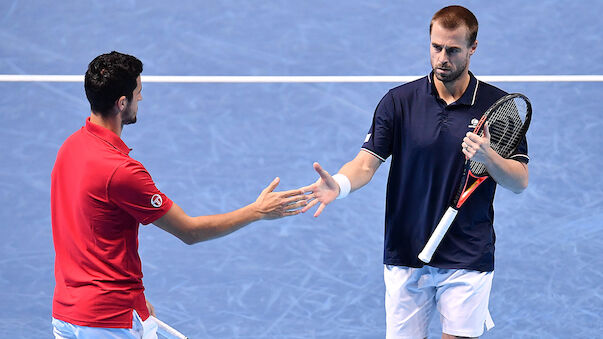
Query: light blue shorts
{"points": [[140, 330], [413, 294]]}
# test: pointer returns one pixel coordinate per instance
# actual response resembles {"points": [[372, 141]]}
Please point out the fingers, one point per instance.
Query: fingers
{"points": [[272, 185], [309, 188], [150, 308], [472, 141], [319, 210], [309, 205], [293, 193], [290, 213], [323, 174], [471, 137], [295, 206], [468, 154], [296, 198]]}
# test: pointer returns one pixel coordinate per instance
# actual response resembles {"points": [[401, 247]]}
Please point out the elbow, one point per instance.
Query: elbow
{"points": [[193, 236], [521, 187], [188, 240], [188, 237], [522, 181]]}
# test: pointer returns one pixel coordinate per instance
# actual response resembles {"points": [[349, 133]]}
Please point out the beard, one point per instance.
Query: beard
{"points": [[128, 117], [452, 76]]}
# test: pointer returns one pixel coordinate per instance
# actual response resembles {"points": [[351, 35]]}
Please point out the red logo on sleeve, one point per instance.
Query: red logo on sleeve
{"points": [[156, 200]]}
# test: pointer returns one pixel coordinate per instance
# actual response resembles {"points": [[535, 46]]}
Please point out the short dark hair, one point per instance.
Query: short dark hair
{"points": [[452, 17], [110, 76]]}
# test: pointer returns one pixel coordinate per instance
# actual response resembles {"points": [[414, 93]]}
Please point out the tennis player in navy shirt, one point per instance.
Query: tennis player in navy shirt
{"points": [[425, 126]]}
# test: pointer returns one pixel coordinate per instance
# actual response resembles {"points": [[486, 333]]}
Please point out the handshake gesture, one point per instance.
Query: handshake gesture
{"points": [[273, 205]]}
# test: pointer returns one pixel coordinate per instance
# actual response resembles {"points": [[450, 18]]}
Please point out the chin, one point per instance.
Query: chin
{"points": [[129, 121]]}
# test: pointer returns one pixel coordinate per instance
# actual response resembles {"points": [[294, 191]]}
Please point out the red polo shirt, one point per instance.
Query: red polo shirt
{"points": [[99, 195]]}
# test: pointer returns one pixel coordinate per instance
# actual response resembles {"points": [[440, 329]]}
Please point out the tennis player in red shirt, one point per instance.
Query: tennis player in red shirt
{"points": [[100, 195]]}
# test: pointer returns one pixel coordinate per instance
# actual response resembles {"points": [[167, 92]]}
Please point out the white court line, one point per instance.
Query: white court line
{"points": [[300, 79]]}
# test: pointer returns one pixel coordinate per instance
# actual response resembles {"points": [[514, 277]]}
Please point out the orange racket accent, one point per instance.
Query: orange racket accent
{"points": [[468, 191]]}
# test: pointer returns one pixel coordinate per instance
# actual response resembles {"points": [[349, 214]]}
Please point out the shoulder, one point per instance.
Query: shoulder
{"points": [[130, 168], [131, 182], [409, 88], [405, 93], [488, 91], [73, 140]]}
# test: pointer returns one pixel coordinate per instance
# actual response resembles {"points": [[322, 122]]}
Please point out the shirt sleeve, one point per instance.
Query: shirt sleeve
{"points": [[379, 140], [132, 189], [521, 152]]}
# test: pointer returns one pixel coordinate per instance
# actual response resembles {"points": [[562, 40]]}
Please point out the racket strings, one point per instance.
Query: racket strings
{"points": [[505, 124]]}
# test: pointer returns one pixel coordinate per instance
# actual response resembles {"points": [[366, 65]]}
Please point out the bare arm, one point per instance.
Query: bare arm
{"points": [[508, 173], [269, 205], [359, 171]]}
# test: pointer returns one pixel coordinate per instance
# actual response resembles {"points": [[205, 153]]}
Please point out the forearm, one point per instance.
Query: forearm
{"points": [[508, 173], [192, 230], [214, 226], [360, 171]]}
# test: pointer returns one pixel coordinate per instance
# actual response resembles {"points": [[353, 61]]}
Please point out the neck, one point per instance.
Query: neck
{"points": [[453, 90], [113, 123]]}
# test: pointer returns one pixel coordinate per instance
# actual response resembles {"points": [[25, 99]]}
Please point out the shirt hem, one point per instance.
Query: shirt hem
{"points": [[373, 153], [451, 266], [154, 217], [107, 324]]}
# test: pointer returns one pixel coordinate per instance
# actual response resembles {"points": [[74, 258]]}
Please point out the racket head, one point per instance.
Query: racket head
{"points": [[508, 121]]}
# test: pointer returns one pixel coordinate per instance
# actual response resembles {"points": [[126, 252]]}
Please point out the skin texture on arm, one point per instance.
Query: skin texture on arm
{"points": [[508, 173], [269, 205], [359, 171]]}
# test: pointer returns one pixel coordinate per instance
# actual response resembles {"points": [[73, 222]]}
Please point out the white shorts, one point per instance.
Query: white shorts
{"points": [[140, 330], [460, 296]]}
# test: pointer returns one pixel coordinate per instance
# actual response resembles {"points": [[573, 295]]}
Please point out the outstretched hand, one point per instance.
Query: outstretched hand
{"points": [[323, 191], [274, 205]]}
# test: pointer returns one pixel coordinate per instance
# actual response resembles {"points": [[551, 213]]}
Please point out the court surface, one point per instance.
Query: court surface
{"points": [[213, 147]]}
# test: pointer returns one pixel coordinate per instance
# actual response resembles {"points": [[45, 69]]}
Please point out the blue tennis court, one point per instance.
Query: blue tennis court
{"points": [[212, 147]]}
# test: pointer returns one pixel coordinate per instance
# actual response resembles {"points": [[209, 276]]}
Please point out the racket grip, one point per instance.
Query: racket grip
{"points": [[167, 331], [437, 235]]}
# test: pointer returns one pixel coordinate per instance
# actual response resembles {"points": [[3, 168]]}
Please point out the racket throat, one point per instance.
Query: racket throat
{"points": [[467, 192]]}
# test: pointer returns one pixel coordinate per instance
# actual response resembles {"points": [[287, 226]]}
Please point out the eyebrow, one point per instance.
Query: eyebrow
{"points": [[448, 48]]}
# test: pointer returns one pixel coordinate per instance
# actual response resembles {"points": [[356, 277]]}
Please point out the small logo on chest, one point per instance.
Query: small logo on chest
{"points": [[473, 123]]}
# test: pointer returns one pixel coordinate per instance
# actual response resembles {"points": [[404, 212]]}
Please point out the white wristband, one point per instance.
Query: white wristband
{"points": [[345, 186]]}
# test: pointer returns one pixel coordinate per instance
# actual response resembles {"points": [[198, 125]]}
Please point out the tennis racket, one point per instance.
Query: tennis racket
{"points": [[167, 331], [508, 121]]}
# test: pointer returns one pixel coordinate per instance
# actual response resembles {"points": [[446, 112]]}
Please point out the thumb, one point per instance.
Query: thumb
{"points": [[272, 185], [486, 131], [323, 174]]}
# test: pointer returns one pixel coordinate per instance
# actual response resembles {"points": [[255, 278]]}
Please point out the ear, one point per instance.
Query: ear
{"points": [[121, 103], [473, 48]]}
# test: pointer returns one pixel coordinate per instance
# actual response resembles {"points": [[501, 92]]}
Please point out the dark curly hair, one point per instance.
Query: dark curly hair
{"points": [[109, 77]]}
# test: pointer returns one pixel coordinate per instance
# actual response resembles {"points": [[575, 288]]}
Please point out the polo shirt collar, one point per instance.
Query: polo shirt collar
{"points": [[468, 98], [107, 136]]}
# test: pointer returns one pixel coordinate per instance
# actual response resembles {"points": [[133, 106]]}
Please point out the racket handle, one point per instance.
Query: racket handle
{"points": [[166, 330], [437, 235]]}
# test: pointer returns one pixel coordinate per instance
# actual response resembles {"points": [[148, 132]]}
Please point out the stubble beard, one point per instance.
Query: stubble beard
{"points": [[129, 117], [451, 77]]}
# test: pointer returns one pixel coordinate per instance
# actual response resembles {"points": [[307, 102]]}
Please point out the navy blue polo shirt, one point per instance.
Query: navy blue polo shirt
{"points": [[423, 135]]}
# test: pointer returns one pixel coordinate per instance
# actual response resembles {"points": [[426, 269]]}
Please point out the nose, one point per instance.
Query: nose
{"points": [[442, 57]]}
